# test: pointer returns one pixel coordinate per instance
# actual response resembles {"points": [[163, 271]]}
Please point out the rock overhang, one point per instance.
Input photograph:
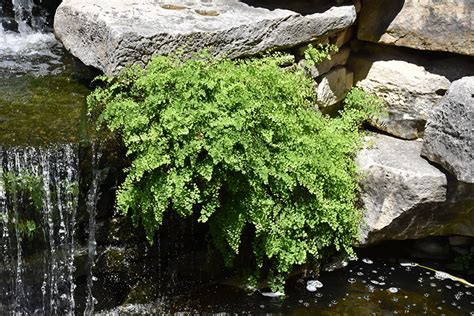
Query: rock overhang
{"points": [[113, 33]]}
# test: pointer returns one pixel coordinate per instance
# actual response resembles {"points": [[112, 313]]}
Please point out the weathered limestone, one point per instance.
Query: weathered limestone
{"points": [[110, 34], [411, 82], [334, 86], [421, 24], [449, 136], [409, 91], [404, 197], [396, 180]]}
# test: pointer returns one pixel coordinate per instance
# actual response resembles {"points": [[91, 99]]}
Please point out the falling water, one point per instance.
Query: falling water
{"points": [[91, 204], [26, 43], [38, 203]]}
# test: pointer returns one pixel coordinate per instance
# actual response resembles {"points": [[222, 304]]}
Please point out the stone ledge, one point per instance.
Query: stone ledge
{"points": [[128, 31]]}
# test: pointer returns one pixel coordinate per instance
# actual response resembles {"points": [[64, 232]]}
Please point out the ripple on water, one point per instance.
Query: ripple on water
{"points": [[367, 261]]}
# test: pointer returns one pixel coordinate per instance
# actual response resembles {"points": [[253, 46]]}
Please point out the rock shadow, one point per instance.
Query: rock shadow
{"points": [[378, 15], [449, 65]]}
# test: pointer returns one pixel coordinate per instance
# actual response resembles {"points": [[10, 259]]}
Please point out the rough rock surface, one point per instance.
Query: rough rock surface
{"points": [[405, 197], [110, 34], [334, 86], [426, 24], [410, 92], [449, 136]]}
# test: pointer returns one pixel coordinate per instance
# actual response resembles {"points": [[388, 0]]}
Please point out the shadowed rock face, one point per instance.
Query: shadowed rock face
{"points": [[132, 31], [421, 24]]}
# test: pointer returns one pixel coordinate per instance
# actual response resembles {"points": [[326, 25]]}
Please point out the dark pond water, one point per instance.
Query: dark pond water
{"points": [[364, 287]]}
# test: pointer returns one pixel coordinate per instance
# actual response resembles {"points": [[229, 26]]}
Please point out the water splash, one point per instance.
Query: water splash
{"points": [[26, 43]]}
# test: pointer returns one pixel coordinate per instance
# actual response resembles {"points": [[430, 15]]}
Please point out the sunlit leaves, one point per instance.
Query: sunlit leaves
{"points": [[239, 143]]}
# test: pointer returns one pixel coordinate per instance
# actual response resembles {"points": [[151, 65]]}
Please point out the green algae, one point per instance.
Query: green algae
{"points": [[37, 111]]}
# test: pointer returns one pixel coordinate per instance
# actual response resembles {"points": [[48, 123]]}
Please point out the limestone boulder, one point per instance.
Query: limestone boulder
{"points": [[405, 197], [334, 86], [110, 34], [449, 136], [425, 25], [410, 92]]}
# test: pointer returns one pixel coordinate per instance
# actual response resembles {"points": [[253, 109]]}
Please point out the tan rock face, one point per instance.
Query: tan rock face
{"points": [[334, 86], [422, 24], [409, 91]]}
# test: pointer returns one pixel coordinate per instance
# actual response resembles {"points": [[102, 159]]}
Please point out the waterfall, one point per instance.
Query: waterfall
{"points": [[91, 204], [38, 204], [23, 16], [27, 44]]}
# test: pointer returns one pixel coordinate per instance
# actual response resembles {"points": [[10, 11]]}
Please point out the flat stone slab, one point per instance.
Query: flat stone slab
{"points": [[110, 34]]}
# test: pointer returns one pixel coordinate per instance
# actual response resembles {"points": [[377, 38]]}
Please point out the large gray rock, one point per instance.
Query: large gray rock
{"points": [[409, 92], [110, 34], [449, 136], [427, 24], [404, 197]]}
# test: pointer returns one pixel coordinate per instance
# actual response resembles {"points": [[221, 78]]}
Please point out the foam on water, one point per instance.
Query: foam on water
{"points": [[30, 48], [28, 44]]}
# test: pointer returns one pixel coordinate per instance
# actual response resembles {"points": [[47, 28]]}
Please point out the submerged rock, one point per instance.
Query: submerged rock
{"points": [[426, 25], [449, 138], [132, 31], [405, 197]]}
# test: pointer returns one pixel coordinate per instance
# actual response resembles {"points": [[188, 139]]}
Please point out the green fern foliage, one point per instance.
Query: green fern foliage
{"points": [[238, 142]]}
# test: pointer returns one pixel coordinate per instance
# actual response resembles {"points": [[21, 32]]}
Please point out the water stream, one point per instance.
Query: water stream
{"points": [[41, 138]]}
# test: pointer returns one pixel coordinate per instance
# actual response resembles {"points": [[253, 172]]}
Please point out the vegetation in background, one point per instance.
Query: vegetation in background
{"points": [[25, 194], [28, 189], [239, 143]]}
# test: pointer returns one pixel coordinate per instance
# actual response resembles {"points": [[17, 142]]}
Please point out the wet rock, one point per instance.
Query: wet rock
{"points": [[431, 248], [9, 24], [425, 25], [460, 241], [449, 137], [409, 92], [405, 197], [334, 86], [132, 31]]}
